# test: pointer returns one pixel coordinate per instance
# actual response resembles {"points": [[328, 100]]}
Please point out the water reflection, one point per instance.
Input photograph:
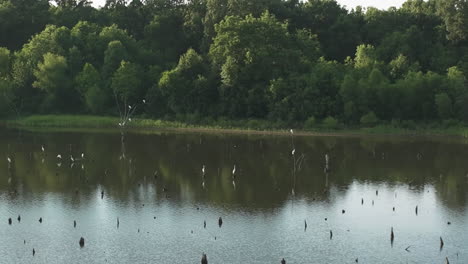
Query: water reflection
{"points": [[267, 186], [266, 170]]}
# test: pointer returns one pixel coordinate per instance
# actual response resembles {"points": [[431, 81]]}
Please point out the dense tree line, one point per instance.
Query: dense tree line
{"points": [[286, 61]]}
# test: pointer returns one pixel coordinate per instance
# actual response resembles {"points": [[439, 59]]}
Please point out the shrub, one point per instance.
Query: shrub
{"points": [[448, 123], [330, 123], [310, 123], [408, 124], [369, 119]]}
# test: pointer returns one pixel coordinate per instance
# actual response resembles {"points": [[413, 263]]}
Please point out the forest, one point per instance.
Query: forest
{"points": [[290, 62]]}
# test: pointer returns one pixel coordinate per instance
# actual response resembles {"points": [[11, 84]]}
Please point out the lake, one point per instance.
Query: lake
{"points": [[141, 197]]}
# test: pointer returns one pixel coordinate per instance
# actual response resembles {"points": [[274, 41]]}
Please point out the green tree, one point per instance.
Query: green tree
{"points": [[20, 20], [366, 56], [444, 105], [52, 77], [89, 85], [6, 86], [369, 119], [186, 87], [126, 84], [455, 16], [249, 52], [7, 97], [5, 61], [114, 55]]}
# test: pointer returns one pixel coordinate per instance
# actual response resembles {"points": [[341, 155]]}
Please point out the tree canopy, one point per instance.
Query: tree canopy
{"points": [[280, 60]]}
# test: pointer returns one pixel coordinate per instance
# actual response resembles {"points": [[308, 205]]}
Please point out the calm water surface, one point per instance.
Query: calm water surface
{"points": [[153, 183]]}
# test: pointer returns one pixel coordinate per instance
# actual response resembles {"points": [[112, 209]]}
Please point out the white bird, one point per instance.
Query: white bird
{"points": [[59, 156], [129, 119], [8, 159], [129, 107], [203, 170], [144, 101], [293, 151], [82, 155], [234, 170], [42, 147], [120, 124], [291, 131]]}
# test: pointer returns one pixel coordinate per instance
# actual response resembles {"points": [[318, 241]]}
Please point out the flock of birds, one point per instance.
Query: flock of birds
{"points": [[204, 259]]}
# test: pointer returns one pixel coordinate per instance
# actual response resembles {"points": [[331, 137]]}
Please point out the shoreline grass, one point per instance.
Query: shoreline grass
{"points": [[226, 126]]}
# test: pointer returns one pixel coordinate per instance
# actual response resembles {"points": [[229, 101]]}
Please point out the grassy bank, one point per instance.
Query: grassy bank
{"points": [[238, 126]]}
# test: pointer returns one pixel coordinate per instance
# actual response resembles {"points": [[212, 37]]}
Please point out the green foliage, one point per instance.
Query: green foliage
{"points": [[51, 74], [52, 77], [330, 123], [282, 61], [455, 16], [369, 119], [366, 56], [310, 123], [114, 54], [186, 87], [89, 85], [126, 83], [7, 97], [250, 52], [5, 61], [21, 19], [444, 105]]}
